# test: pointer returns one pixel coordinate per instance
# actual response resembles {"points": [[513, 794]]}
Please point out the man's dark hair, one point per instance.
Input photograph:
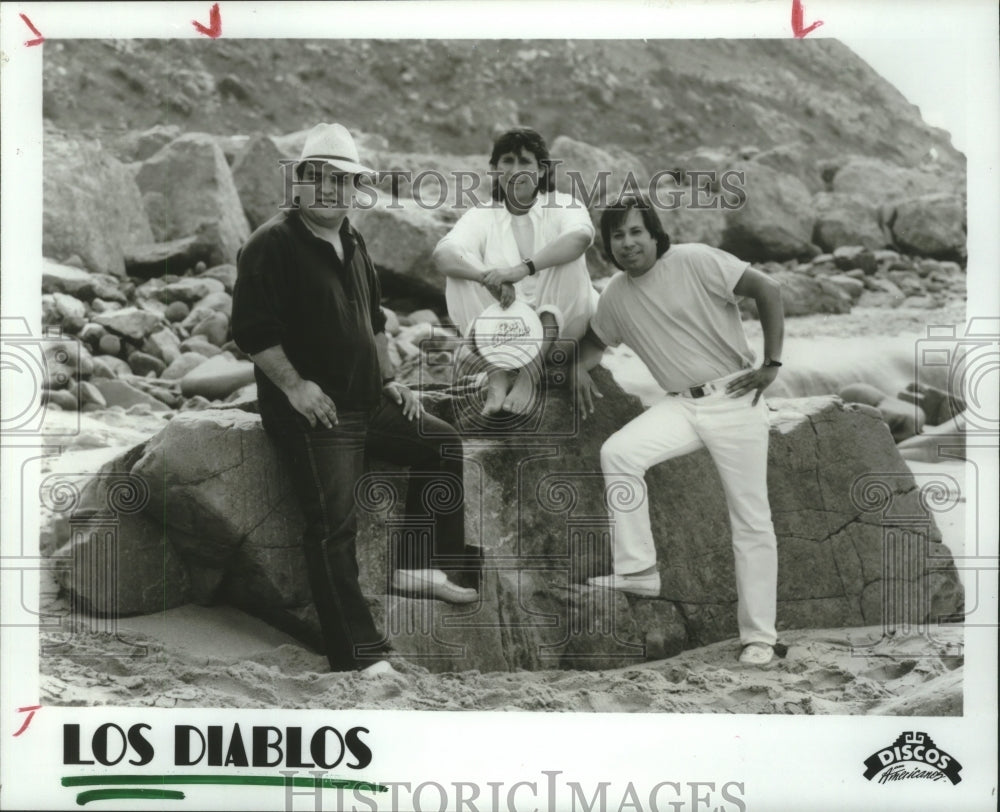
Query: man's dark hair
{"points": [[523, 139], [616, 214]]}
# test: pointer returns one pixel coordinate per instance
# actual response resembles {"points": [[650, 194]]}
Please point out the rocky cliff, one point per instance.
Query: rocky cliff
{"points": [[655, 98]]}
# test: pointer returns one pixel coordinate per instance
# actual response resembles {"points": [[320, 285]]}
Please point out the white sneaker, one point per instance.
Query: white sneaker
{"points": [[431, 584], [380, 669], [756, 654], [647, 586]]}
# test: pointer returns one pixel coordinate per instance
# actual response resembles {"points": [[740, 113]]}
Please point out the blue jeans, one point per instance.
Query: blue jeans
{"points": [[324, 466]]}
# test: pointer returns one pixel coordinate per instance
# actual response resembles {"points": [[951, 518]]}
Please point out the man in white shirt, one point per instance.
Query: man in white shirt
{"points": [[529, 245], [676, 308]]}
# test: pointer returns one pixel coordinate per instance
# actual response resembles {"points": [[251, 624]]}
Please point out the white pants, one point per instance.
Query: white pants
{"points": [[572, 305], [736, 435]]}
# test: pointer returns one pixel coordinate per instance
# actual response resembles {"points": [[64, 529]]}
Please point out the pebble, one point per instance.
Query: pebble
{"points": [[142, 363], [109, 344], [177, 311], [214, 328]]}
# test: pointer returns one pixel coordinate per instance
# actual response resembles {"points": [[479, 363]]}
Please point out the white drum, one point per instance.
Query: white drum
{"points": [[511, 338]]}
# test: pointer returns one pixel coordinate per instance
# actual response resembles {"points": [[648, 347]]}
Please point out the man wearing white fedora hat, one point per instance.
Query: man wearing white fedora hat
{"points": [[306, 309]]}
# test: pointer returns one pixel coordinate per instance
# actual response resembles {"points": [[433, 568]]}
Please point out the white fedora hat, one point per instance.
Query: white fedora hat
{"points": [[333, 144]]}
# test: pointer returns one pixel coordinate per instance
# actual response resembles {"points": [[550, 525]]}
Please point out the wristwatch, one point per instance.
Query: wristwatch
{"points": [[532, 270], [770, 363]]}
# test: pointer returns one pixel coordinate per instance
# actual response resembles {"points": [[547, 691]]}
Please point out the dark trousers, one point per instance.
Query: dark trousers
{"points": [[327, 468]]}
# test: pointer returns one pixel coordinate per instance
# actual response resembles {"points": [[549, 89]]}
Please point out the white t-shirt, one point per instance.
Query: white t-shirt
{"points": [[680, 317]]}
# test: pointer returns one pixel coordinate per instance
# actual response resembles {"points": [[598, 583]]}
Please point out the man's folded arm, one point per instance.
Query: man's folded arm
{"points": [[569, 245], [455, 260], [459, 253]]}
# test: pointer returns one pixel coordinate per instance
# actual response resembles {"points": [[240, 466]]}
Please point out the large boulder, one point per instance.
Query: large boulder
{"points": [[591, 172], [102, 531], [175, 256], [91, 205], [260, 179], [217, 378], [422, 176], [215, 483], [401, 238], [126, 395], [845, 220], [796, 158], [931, 225], [596, 177], [775, 222], [687, 219], [231, 504], [802, 295], [140, 145], [151, 577], [188, 184], [878, 181], [82, 284]]}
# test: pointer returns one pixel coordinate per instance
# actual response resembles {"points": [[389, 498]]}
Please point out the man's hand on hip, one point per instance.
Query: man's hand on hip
{"points": [[756, 379], [403, 396], [313, 404]]}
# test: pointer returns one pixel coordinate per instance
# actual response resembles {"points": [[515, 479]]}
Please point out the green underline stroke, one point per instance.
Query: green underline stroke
{"points": [[129, 794]]}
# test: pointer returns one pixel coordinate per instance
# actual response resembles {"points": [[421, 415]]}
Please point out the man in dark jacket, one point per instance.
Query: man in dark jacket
{"points": [[306, 310]]}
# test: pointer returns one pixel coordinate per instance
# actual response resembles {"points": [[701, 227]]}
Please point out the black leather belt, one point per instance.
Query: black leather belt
{"points": [[699, 391]]}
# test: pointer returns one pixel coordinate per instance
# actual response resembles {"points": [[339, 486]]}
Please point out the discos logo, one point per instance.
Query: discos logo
{"points": [[912, 756]]}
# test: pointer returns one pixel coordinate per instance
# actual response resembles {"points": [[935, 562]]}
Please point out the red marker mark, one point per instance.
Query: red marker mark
{"points": [[797, 24], [214, 28], [30, 709], [31, 42]]}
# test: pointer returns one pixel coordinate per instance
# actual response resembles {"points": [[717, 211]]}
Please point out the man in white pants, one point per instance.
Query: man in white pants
{"points": [[676, 307]]}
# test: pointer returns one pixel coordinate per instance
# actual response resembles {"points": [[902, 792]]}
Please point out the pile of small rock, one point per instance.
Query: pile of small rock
{"points": [[858, 276], [164, 344]]}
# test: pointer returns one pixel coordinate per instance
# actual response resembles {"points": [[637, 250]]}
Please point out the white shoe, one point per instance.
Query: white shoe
{"points": [[646, 585], [431, 584], [756, 654]]}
